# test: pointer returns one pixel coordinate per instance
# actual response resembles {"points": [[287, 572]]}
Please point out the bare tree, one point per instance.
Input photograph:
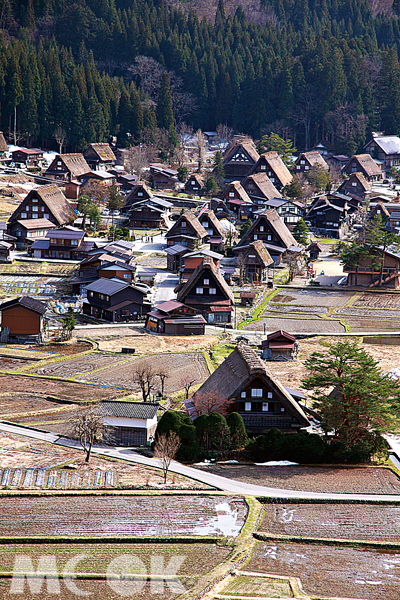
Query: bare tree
{"points": [[87, 429], [224, 135], [144, 376], [138, 158], [241, 265], [205, 404], [166, 448], [187, 382], [97, 191], [162, 374], [304, 110], [184, 105], [200, 149], [148, 73], [295, 265], [59, 135]]}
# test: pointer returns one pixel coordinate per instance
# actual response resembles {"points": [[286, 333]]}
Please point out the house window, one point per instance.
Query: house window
{"points": [[298, 167], [90, 294], [231, 194], [261, 227], [302, 162], [247, 406], [19, 233], [256, 393], [252, 255], [35, 216], [282, 409], [243, 395], [46, 215], [272, 179], [269, 237], [140, 194], [263, 167], [265, 406], [269, 395], [306, 167], [23, 215], [35, 208], [183, 224], [255, 236], [34, 200], [74, 242], [354, 183], [206, 282], [127, 275], [199, 290], [213, 291]]}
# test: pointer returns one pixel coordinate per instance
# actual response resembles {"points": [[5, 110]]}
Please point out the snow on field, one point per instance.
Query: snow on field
{"points": [[225, 522], [276, 463]]}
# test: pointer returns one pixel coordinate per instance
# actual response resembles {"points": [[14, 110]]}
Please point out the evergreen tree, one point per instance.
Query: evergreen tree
{"points": [[300, 232], [237, 430], [165, 116]]}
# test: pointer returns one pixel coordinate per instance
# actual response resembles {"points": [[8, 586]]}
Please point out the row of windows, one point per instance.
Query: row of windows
{"points": [[24, 215], [211, 291], [266, 407], [63, 242], [101, 296], [256, 393]]}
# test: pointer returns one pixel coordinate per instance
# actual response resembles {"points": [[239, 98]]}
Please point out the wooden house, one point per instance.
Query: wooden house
{"points": [[187, 231], [99, 176], [290, 211], [117, 269], [314, 250], [128, 423], [22, 320], [194, 184], [207, 291], [174, 318], [67, 167], [279, 346], [137, 193], [29, 157], [220, 209], [255, 393], [5, 249], [327, 217], [253, 260], [274, 167], [260, 188], [272, 231], [162, 177], [89, 270], [29, 231], [152, 213], [214, 230], [99, 156], [355, 185], [385, 149], [239, 159], [127, 181], [365, 164], [175, 254], [236, 198], [307, 160], [47, 205], [247, 298], [66, 243], [367, 273], [115, 300], [192, 260]]}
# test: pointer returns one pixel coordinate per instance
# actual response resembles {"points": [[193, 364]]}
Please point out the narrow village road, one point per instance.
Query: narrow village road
{"points": [[166, 283], [221, 483]]}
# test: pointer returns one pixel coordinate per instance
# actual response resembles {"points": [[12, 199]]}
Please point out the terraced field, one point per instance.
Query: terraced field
{"points": [[122, 516]]}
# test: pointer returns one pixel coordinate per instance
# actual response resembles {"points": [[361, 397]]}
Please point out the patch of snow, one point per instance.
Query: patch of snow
{"points": [[276, 463], [225, 522], [228, 462]]}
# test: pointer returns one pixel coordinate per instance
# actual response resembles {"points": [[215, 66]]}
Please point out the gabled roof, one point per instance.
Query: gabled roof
{"points": [[360, 179], [197, 177], [241, 192], [276, 224], [389, 144], [129, 410], [56, 202], [238, 369], [281, 333], [314, 158], [74, 163], [264, 184], [32, 224], [258, 248], [206, 264], [367, 163], [169, 305], [176, 249], [111, 286], [30, 303], [247, 145], [278, 166], [103, 151], [3, 143], [210, 215], [193, 221]]}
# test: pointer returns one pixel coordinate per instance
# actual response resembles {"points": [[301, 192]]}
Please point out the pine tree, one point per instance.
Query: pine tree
{"points": [[165, 115], [300, 232]]}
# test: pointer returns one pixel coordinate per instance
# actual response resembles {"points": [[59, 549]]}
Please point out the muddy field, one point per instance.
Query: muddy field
{"points": [[75, 366], [297, 326], [331, 570], [337, 521], [345, 480], [122, 516], [195, 560], [11, 364]]}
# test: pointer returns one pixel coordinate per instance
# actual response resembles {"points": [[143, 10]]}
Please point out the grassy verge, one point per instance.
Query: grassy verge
{"points": [[260, 309]]}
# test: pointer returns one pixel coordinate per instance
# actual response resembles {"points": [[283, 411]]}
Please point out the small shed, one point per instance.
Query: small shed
{"points": [[22, 320], [279, 346], [174, 318], [128, 423], [247, 298], [314, 249]]}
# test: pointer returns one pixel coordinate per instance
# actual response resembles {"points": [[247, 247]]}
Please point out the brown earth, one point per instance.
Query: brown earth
{"points": [[332, 571], [338, 480]]}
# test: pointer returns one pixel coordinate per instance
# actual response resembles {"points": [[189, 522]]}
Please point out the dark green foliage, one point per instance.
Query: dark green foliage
{"points": [[182, 174], [271, 446], [181, 424], [300, 232], [237, 431], [306, 448], [245, 227], [213, 432]]}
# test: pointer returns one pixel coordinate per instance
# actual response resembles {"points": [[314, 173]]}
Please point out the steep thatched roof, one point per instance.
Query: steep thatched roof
{"points": [[56, 202], [263, 183], [214, 221], [103, 151], [207, 264], [245, 144], [74, 163], [258, 248], [276, 224], [314, 158], [238, 369], [367, 163], [191, 218], [277, 165], [240, 191]]}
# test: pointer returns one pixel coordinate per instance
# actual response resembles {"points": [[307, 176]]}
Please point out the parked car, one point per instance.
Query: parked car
{"points": [[116, 213], [105, 212]]}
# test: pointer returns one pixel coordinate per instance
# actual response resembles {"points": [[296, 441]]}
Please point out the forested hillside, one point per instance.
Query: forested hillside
{"points": [[317, 69]]}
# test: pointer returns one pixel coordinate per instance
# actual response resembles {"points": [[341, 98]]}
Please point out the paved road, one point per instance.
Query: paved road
{"points": [[165, 284], [221, 483]]}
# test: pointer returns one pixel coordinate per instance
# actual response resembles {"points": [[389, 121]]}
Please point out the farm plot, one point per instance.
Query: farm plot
{"points": [[331, 570], [32, 286], [122, 516], [337, 521], [177, 366], [377, 300], [348, 480], [297, 326], [195, 560], [312, 298], [8, 364], [75, 366]]}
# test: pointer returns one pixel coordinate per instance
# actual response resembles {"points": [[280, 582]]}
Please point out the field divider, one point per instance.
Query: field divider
{"points": [[110, 540], [274, 537]]}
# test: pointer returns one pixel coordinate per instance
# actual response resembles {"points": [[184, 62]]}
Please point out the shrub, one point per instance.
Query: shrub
{"points": [[237, 430], [271, 446], [305, 448]]}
